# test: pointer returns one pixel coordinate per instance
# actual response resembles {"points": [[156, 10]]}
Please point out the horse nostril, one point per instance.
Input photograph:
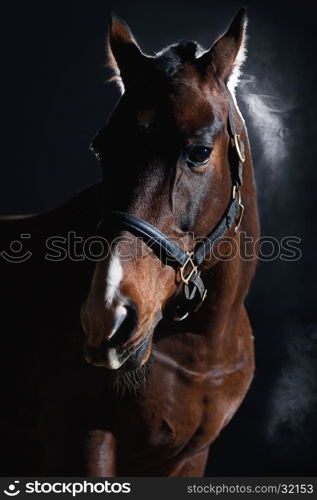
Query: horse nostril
{"points": [[124, 326]]}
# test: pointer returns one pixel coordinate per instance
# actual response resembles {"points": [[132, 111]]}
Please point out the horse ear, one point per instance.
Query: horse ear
{"points": [[229, 52], [124, 55]]}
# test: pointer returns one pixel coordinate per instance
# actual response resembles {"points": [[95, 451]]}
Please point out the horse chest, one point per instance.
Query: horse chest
{"points": [[181, 413], [175, 422]]}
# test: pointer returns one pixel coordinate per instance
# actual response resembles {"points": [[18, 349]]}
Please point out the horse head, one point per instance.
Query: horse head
{"points": [[164, 157]]}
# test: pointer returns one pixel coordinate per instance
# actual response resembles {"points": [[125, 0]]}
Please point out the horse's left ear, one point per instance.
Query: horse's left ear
{"points": [[228, 53], [124, 55]]}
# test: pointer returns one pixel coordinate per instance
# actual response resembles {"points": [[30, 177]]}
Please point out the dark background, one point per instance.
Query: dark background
{"points": [[54, 100]]}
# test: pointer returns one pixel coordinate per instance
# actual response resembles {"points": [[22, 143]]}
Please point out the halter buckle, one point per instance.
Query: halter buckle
{"points": [[194, 269], [236, 139]]}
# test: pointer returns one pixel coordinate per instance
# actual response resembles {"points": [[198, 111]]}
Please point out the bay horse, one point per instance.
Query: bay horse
{"points": [[132, 366]]}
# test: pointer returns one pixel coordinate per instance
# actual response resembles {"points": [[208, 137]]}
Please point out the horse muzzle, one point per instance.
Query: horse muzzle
{"points": [[113, 340], [115, 357]]}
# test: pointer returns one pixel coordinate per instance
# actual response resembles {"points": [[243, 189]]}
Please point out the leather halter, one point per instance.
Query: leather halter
{"points": [[192, 291]]}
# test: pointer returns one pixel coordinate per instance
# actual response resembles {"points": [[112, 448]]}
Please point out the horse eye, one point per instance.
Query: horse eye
{"points": [[198, 155]]}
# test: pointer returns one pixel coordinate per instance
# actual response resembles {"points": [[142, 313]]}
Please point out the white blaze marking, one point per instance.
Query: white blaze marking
{"points": [[113, 279]]}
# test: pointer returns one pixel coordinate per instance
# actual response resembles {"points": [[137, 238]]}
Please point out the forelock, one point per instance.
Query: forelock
{"points": [[170, 59]]}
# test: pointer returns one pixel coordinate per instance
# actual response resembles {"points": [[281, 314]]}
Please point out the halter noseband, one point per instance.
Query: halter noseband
{"points": [[192, 290]]}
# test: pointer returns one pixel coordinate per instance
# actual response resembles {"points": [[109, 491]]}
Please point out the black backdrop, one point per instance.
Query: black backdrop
{"points": [[54, 100]]}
